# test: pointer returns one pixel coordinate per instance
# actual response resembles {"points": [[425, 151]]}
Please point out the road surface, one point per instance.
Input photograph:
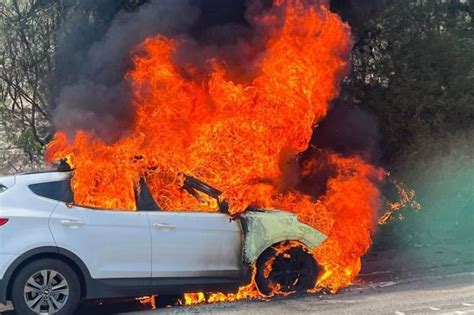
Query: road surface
{"points": [[453, 294]]}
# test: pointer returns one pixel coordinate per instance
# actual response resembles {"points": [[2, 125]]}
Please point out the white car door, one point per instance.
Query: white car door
{"points": [[112, 244], [195, 244]]}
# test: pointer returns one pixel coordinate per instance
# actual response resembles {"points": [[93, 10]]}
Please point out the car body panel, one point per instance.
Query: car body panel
{"points": [[8, 181], [112, 244], [265, 228], [195, 244], [28, 216], [5, 262]]}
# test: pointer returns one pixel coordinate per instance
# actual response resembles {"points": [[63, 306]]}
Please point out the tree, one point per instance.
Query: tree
{"points": [[34, 54], [26, 61], [413, 67]]}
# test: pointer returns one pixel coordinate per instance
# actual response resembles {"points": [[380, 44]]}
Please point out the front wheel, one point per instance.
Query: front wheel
{"points": [[284, 269], [46, 286]]}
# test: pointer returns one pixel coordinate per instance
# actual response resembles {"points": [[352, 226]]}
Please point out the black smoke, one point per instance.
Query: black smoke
{"points": [[356, 11], [349, 130], [91, 93]]}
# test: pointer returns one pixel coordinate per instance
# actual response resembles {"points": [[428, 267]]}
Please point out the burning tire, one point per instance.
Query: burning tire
{"points": [[46, 286], [286, 269]]}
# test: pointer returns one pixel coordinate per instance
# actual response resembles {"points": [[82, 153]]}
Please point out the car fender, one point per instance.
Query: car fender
{"points": [[264, 228]]}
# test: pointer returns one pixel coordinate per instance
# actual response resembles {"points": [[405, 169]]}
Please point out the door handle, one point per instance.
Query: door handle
{"points": [[164, 226], [72, 223]]}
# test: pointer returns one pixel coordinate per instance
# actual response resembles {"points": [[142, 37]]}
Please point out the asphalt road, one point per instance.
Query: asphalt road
{"points": [[434, 280], [453, 294]]}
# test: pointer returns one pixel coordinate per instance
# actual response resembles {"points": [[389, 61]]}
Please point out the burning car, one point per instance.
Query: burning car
{"points": [[54, 253]]}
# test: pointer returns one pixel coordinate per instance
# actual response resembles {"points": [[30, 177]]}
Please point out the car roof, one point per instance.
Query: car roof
{"points": [[40, 172], [42, 176]]}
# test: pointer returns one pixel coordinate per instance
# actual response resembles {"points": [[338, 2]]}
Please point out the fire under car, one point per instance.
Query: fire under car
{"points": [[54, 253]]}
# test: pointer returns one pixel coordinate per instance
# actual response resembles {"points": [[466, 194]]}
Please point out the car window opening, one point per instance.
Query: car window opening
{"points": [[143, 198], [57, 190]]}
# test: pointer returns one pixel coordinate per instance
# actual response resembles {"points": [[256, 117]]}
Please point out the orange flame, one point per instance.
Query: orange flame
{"points": [[239, 135], [406, 199]]}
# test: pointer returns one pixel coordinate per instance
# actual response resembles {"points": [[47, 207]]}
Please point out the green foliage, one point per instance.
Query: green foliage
{"points": [[31, 45], [26, 62], [413, 67], [29, 143]]}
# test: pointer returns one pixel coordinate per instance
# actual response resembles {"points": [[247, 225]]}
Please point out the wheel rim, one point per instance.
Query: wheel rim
{"points": [[291, 271], [46, 291]]}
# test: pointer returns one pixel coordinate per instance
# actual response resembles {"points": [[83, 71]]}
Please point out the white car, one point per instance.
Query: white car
{"points": [[53, 253]]}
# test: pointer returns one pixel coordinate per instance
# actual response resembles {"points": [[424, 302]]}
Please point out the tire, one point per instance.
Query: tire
{"points": [[293, 271], [60, 294]]}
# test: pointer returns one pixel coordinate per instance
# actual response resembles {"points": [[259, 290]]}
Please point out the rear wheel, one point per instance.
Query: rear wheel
{"points": [[284, 270], [46, 286]]}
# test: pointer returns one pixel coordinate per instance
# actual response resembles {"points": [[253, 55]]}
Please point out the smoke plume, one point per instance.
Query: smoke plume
{"points": [[92, 93], [96, 97]]}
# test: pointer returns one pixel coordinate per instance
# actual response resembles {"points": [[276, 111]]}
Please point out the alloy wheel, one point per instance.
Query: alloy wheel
{"points": [[46, 291]]}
